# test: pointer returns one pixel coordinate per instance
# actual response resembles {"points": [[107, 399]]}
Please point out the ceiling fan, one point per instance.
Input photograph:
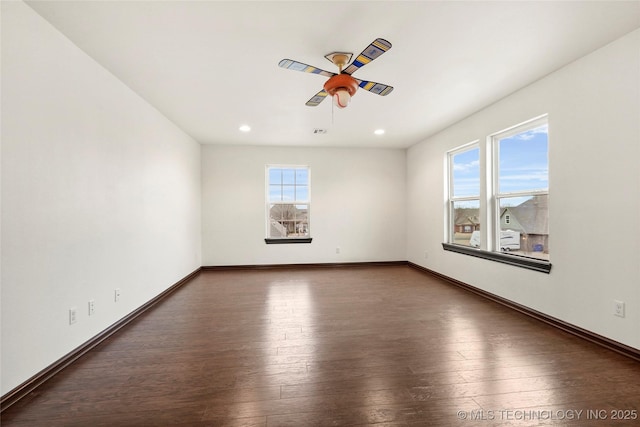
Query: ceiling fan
{"points": [[342, 86]]}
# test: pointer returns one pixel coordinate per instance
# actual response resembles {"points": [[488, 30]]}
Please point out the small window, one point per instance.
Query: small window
{"points": [[464, 195], [288, 204]]}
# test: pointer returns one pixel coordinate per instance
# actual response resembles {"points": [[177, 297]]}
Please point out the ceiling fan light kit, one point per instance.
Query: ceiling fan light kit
{"points": [[341, 98], [342, 86]]}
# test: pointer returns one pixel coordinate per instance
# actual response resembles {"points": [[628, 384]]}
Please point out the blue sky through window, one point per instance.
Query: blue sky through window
{"points": [[288, 185], [524, 161], [466, 173], [523, 165]]}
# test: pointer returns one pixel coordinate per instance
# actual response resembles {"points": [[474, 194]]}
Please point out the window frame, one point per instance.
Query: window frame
{"points": [[497, 195], [451, 198], [268, 204], [490, 196]]}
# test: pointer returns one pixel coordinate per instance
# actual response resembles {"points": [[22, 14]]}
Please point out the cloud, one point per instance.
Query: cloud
{"points": [[530, 134], [525, 136], [464, 167]]}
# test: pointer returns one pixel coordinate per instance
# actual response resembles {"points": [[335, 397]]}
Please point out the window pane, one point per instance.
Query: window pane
{"points": [[302, 176], [289, 220], [289, 176], [466, 223], [275, 176], [466, 173], [275, 193], [523, 163], [302, 221], [302, 194], [524, 226], [280, 216], [288, 193]]}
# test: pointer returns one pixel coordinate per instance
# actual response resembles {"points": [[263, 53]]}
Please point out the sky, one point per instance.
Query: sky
{"points": [[523, 160], [288, 184], [524, 163]]}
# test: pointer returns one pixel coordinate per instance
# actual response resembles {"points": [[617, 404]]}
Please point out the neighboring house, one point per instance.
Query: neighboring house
{"points": [[288, 220], [531, 219], [467, 220]]}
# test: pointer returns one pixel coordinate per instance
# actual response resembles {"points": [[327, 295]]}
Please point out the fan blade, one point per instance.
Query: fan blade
{"points": [[290, 64], [373, 87], [374, 50], [317, 98]]}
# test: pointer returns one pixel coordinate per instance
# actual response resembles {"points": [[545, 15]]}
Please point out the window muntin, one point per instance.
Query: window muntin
{"points": [[521, 182], [288, 202], [464, 195]]}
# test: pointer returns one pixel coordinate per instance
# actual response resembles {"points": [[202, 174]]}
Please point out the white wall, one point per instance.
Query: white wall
{"points": [[594, 138], [357, 204], [99, 191]]}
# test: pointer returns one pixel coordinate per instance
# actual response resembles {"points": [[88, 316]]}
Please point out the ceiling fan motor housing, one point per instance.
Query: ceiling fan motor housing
{"points": [[341, 87], [341, 81]]}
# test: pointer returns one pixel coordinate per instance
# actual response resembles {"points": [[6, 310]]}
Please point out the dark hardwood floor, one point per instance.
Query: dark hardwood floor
{"points": [[384, 346]]}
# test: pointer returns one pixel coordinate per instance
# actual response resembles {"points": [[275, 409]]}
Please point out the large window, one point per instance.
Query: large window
{"points": [[521, 182], [502, 214], [288, 204]]}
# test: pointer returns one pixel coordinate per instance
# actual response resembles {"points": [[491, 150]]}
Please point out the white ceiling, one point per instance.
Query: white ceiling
{"points": [[210, 66]]}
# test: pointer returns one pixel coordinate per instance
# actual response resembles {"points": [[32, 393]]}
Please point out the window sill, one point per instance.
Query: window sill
{"points": [[288, 240], [515, 260]]}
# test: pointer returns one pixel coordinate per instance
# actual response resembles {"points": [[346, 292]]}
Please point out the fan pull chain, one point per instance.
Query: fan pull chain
{"points": [[332, 108]]}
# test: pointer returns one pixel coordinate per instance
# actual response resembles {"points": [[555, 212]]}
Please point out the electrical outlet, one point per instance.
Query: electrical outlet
{"points": [[116, 295], [92, 307], [618, 308], [337, 250], [73, 315], [426, 255]]}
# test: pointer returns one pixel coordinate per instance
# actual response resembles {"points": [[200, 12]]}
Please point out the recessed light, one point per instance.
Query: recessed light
{"points": [[379, 131], [245, 128]]}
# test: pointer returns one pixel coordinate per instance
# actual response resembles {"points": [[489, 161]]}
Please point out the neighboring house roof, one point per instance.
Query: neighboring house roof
{"points": [[532, 215], [467, 216]]}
